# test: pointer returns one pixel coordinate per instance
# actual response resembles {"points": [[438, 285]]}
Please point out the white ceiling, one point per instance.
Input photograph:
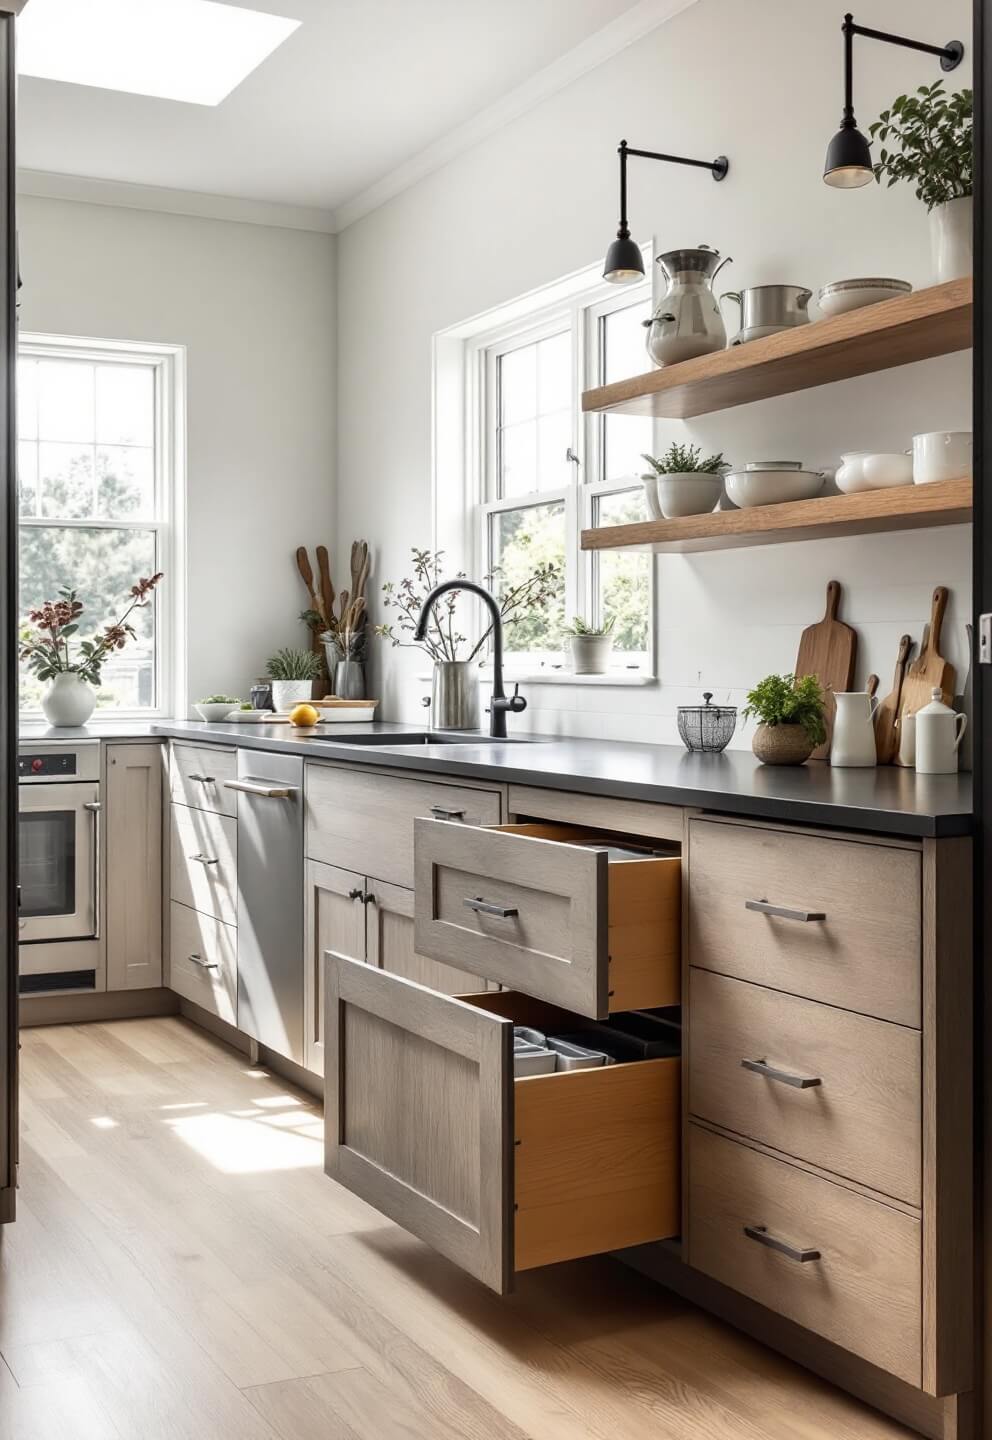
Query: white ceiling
{"points": [[360, 100]]}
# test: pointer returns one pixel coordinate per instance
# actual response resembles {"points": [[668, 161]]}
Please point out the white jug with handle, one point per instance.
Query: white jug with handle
{"points": [[939, 731], [853, 744]]}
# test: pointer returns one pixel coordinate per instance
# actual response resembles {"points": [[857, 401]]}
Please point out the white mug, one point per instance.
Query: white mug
{"points": [[941, 455]]}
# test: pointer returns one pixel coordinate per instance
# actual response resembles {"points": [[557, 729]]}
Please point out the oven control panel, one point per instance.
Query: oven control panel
{"points": [[47, 767], [53, 762]]}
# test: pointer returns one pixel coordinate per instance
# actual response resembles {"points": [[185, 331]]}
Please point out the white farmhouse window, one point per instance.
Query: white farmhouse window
{"points": [[99, 456]]}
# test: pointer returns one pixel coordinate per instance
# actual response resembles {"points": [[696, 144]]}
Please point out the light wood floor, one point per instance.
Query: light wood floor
{"points": [[181, 1269]]}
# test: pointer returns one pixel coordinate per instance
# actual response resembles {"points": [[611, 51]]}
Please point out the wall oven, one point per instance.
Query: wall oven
{"points": [[59, 864]]}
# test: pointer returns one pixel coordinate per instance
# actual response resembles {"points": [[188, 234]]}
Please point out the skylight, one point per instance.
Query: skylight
{"points": [[192, 50]]}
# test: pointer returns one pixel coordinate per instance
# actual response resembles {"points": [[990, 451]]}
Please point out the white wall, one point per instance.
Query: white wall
{"points": [[255, 307], [761, 82]]}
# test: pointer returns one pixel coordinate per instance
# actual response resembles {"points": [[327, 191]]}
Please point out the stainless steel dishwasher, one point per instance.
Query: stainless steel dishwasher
{"points": [[270, 899]]}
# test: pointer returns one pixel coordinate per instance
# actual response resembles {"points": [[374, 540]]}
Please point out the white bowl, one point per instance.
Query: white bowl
{"points": [[942, 455], [213, 713], [844, 295], [749, 488], [692, 494], [885, 471]]}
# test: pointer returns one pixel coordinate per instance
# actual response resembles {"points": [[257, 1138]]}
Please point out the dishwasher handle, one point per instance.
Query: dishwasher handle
{"points": [[263, 791]]}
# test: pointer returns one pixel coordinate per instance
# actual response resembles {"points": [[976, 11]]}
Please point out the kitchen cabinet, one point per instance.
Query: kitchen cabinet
{"points": [[203, 961], [133, 865], [335, 920], [198, 776], [203, 861], [392, 943]]}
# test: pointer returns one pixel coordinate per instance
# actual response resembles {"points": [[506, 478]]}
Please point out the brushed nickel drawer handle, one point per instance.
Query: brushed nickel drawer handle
{"points": [[781, 1247], [203, 779], [798, 1082], [784, 912], [204, 859], [486, 907], [264, 792], [439, 813], [203, 964]]}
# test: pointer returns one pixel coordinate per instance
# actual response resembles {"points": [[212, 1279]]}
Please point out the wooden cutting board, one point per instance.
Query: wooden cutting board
{"points": [[929, 671], [886, 734], [828, 650]]}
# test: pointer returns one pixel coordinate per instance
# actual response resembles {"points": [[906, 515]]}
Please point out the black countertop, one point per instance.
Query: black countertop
{"points": [[888, 800]]}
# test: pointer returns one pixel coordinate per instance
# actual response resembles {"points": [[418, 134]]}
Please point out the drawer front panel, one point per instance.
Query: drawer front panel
{"points": [[863, 954], [861, 1120], [364, 822], [197, 774], [862, 1292], [204, 862], [204, 961]]}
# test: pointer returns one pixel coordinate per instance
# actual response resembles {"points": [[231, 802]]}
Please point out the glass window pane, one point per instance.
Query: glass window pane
{"points": [[65, 475], [125, 482], [27, 477], [518, 459], [554, 435], [65, 400], [554, 373], [517, 385], [125, 405], [520, 540], [624, 349], [623, 577], [626, 440], [27, 399], [102, 565]]}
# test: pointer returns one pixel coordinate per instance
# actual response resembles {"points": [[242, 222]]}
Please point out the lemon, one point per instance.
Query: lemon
{"points": [[304, 715]]}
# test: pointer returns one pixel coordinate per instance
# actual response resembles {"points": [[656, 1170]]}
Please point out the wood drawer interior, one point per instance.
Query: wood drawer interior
{"points": [[203, 961], [204, 861], [578, 918], [197, 775], [836, 920]]}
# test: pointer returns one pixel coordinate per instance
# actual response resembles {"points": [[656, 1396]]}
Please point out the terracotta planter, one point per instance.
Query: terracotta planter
{"points": [[782, 745]]}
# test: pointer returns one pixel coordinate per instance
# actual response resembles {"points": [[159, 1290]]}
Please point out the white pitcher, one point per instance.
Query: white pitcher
{"points": [[939, 731], [853, 743]]}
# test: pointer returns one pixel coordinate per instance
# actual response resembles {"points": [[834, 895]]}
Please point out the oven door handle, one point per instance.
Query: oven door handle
{"points": [[94, 807]]}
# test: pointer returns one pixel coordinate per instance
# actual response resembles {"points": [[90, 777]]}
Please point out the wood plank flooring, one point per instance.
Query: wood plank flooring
{"points": [[181, 1269]]}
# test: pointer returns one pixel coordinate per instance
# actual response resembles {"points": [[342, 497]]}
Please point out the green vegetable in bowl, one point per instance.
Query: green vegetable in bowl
{"points": [[246, 705], [223, 700]]}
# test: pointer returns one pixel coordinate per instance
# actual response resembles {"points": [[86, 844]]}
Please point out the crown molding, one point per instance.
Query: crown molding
{"points": [[597, 48], [49, 185]]}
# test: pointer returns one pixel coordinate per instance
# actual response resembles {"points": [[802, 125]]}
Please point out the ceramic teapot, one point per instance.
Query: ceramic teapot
{"points": [[687, 321], [939, 732]]}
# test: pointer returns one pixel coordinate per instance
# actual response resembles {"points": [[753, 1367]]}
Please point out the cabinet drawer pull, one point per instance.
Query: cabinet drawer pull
{"points": [[203, 964], [204, 859], [798, 1082], [264, 792], [486, 907], [440, 813], [761, 1235], [203, 779], [784, 912]]}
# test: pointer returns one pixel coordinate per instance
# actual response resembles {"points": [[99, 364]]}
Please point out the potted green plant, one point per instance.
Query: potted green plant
{"points": [[791, 718], [682, 482], [933, 135], [590, 645], [73, 676], [292, 673]]}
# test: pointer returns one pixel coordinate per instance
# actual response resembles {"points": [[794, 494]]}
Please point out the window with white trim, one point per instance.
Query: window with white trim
{"points": [[97, 501], [547, 471]]}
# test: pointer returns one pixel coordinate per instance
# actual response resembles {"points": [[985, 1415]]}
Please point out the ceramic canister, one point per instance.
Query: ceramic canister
{"points": [[938, 734]]}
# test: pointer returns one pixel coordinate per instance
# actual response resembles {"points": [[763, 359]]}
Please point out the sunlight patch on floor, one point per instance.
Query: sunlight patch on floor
{"points": [[238, 1145]]}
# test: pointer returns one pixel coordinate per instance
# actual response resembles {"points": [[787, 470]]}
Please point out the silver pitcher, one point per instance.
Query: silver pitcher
{"points": [[455, 695], [766, 309], [687, 321]]}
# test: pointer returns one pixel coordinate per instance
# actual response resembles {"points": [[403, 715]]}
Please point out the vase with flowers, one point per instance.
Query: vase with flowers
{"points": [[73, 667]]}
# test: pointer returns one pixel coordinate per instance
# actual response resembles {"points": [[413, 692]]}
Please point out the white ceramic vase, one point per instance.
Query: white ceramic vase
{"points": [[287, 693], [950, 239], [68, 701]]}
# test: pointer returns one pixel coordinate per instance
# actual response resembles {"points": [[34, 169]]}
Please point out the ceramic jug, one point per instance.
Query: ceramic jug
{"points": [[938, 734], [853, 743], [687, 321]]}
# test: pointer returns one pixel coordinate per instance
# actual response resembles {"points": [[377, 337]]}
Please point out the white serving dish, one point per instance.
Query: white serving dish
{"points": [[347, 714], [873, 470], [213, 714], [254, 717], [688, 494], [942, 455], [772, 484], [844, 295]]}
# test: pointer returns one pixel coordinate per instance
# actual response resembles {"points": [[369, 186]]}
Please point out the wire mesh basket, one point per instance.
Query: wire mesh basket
{"points": [[707, 728]]}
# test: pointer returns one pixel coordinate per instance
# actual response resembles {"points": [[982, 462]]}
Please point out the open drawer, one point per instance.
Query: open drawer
{"points": [[424, 1120], [557, 912]]}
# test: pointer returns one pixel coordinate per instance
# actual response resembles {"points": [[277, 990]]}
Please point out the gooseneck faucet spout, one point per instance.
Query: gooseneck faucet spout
{"points": [[499, 704]]}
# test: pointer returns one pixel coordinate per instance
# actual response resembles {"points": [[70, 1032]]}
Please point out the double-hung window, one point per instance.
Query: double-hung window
{"points": [[547, 471], [97, 501]]}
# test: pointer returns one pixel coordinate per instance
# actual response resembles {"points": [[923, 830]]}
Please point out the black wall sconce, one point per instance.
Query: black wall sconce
{"points": [[848, 162], [624, 263]]}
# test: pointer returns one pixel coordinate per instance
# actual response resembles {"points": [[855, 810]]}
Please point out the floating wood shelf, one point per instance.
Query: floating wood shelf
{"points": [[877, 337], [909, 507]]}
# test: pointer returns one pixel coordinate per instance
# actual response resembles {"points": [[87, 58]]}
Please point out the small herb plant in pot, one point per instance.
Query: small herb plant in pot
{"points": [[791, 718], [590, 645], [292, 673], [686, 484], [933, 133]]}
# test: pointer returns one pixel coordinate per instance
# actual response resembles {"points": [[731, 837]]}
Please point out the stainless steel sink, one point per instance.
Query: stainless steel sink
{"points": [[423, 738]]}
